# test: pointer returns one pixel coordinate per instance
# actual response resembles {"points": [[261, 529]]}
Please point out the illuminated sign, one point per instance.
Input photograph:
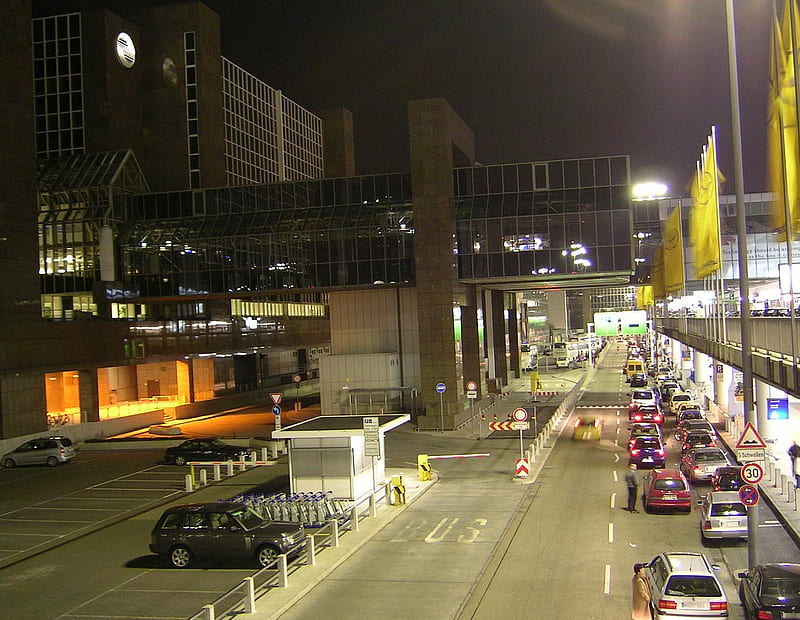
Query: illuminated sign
{"points": [[620, 323]]}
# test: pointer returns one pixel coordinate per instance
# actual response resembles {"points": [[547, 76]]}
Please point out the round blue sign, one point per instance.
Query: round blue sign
{"points": [[276, 410], [441, 388]]}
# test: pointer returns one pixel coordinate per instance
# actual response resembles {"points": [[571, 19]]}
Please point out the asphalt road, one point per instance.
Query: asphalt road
{"points": [[476, 545]]}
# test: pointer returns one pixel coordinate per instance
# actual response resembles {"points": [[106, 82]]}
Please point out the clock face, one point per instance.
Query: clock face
{"points": [[126, 51]]}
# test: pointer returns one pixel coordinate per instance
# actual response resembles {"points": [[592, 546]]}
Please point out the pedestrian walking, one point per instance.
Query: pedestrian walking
{"points": [[632, 482], [640, 602], [794, 452]]}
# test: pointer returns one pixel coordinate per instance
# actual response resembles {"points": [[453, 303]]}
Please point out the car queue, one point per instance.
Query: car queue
{"points": [[682, 584]]}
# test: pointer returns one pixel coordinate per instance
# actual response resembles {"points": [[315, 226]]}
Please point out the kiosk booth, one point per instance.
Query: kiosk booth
{"points": [[330, 453]]}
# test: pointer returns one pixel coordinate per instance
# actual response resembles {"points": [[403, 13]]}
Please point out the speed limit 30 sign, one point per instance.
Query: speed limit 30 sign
{"points": [[752, 473]]}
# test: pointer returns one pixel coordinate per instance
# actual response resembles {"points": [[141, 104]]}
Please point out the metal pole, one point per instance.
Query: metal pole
{"points": [[441, 409], [744, 287]]}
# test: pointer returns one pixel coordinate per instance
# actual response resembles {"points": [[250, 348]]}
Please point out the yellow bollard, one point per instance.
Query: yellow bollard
{"points": [[423, 467], [399, 490]]}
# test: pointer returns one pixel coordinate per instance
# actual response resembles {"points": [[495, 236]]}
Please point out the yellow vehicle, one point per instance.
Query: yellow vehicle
{"points": [[587, 429], [634, 366]]}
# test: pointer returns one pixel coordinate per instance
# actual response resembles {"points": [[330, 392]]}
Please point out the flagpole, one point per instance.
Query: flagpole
{"points": [[741, 233]]}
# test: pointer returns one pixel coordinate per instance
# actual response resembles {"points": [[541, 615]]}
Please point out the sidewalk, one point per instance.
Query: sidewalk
{"points": [[777, 489]]}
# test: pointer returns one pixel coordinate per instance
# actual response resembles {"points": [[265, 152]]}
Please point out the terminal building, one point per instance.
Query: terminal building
{"points": [[180, 237]]}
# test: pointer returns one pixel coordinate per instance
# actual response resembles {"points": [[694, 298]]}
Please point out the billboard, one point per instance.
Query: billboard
{"points": [[624, 323], [777, 409]]}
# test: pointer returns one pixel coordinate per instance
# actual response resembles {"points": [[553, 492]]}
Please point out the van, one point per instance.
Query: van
{"points": [[683, 585], [633, 367]]}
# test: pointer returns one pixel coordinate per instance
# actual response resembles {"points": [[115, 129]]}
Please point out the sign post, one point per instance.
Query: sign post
{"points": [[441, 388], [520, 417], [472, 394], [372, 442], [296, 379]]}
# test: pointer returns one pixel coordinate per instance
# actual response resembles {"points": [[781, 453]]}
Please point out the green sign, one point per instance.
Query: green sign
{"points": [[620, 323]]}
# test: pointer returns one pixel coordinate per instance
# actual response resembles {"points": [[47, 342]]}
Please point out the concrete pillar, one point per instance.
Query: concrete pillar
{"points": [[721, 382], [470, 345], [439, 140], [89, 399], [512, 321], [495, 328]]}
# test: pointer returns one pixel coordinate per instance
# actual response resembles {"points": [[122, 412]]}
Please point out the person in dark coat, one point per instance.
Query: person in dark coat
{"points": [[632, 482]]}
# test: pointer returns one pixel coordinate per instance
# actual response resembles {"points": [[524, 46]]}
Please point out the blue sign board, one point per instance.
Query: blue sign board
{"points": [[276, 410], [441, 388], [777, 409]]}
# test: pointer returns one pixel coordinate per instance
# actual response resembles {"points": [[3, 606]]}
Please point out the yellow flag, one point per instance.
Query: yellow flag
{"points": [[657, 273], [783, 157], [644, 297], [673, 252], [704, 215]]}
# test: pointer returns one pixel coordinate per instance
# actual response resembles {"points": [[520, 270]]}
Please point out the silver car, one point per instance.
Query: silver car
{"points": [[41, 451], [723, 515], [700, 464]]}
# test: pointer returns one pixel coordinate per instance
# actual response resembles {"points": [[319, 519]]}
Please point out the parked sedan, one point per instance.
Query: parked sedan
{"points": [[727, 478], [646, 413], [647, 452], [722, 515], [666, 488], [771, 591], [643, 429], [697, 439], [212, 449], [699, 465], [222, 530]]}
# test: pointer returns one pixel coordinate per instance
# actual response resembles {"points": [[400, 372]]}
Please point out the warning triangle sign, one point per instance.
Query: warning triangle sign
{"points": [[750, 438]]}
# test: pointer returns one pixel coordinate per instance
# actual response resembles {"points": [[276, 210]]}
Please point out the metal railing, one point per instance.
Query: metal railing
{"points": [[242, 598]]}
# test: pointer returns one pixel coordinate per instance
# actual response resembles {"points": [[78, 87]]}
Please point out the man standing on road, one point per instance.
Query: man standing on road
{"points": [[632, 482], [640, 605]]}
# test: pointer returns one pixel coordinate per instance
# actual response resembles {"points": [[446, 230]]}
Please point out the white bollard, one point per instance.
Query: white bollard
{"points": [[372, 510], [334, 532], [188, 482], [249, 595], [789, 491], [283, 573], [310, 553], [354, 512], [217, 472], [203, 477], [782, 484], [230, 467], [777, 477], [264, 454]]}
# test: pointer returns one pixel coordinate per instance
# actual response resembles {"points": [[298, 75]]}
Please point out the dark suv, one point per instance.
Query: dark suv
{"points": [[223, 530]]}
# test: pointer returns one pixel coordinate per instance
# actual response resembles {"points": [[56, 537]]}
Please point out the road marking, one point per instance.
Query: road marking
{"points": [[607, 580], [615, 475], [433, 538], [611, 532], [473, 531], [616, 456], [613, 498]]}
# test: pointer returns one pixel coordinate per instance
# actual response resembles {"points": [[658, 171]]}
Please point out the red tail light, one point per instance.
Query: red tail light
{"points": [[658, 419], [698, 469], [660, 452], [764, 614], [635, 452], [706, 525], [667, 604], [637, 417], [719, 606]]}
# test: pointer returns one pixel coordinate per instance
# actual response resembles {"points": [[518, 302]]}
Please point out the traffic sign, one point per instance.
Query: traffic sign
{"points": [[372, 440], [520, 414], [441, 388], [276, 410], [522, 468], [752, 473], [297, 378], [276, 397], [521, 426], [748, 495], [471, 386], [750, 438], [748, 455], [505, 425]]}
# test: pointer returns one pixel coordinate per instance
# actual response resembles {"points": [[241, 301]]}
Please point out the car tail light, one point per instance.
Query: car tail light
{"points": [[637, 417], [706, 524], [698, 469], [61, 449], [667, 604], [660, 452], [635, 452], [764, 614], [658, 419], [719, 605]]}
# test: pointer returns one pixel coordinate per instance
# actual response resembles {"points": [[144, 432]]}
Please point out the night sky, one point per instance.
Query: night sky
{"points": [[534, 79]]}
